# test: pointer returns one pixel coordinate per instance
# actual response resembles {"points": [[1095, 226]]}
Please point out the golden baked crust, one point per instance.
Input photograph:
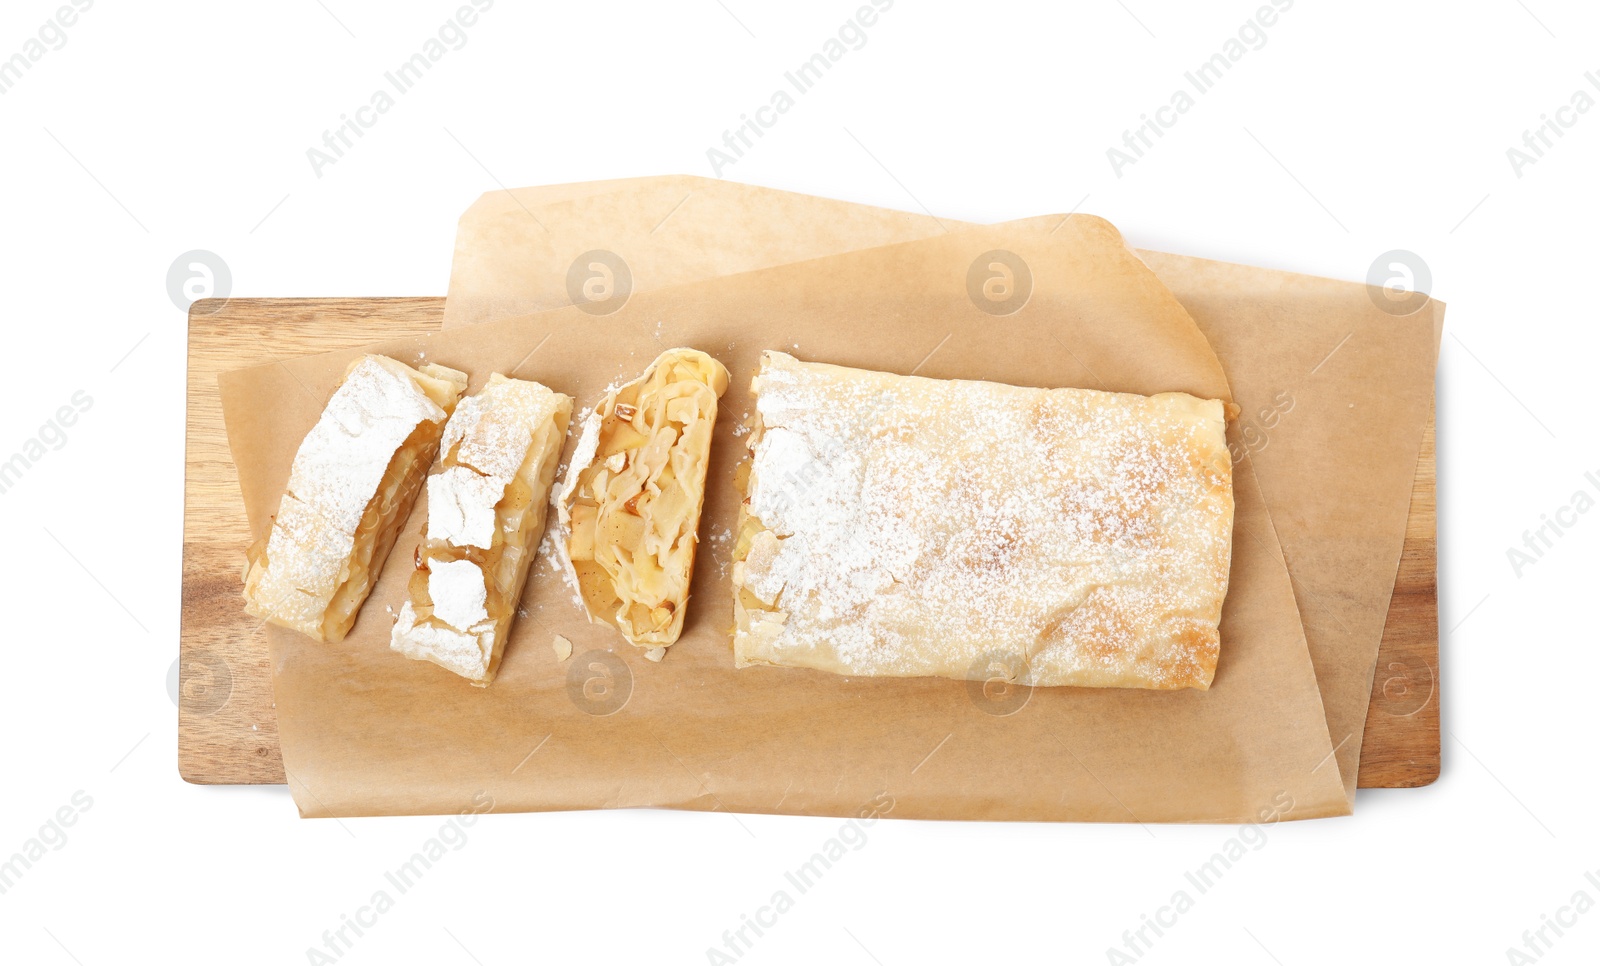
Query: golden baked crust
{"points": [[899, 526], [351, 486], [630, 504], [487, 501]]}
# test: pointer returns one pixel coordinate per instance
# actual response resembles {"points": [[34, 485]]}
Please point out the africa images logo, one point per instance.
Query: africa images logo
{"points": [[599, 282]]}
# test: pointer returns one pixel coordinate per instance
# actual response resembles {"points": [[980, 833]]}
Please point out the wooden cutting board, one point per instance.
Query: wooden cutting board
{"points": [[227, 728]]}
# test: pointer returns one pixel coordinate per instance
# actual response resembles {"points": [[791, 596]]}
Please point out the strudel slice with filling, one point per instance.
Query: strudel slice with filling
{"points": [[487, 501], [631, 500], [900, 526], [351, 486]]}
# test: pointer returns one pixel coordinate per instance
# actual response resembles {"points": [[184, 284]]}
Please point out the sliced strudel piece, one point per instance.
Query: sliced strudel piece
{"points": [[487, 501], [630, 503], [351, 486], [899, 526]]}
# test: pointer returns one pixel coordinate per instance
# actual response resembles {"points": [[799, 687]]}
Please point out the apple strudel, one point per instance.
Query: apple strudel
{"points": [[352, 483], [630, 503], [901, 526], [487, 501]]}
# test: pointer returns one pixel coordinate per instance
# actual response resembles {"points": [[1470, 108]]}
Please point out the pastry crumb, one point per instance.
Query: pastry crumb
{"points": [[655, 654], [562, 647]]}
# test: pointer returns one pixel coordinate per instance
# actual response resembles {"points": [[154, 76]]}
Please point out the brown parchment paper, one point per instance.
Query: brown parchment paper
{"points": [[1335, 436], [1335, 394], [367, 732], [514, 248]]}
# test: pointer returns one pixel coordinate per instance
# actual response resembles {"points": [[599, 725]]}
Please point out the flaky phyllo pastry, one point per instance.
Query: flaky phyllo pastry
{"points": [[630, 503], [899, 526], [351, 486], [487, 501]]}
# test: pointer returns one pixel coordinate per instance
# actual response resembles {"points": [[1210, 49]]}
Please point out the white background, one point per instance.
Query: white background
{"points": [[1358, 128]]}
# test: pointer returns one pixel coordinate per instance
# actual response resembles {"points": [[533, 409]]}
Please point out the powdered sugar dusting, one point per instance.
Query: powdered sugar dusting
{"points": [[343, 458], [918, 526], [467, 653], [486, 441], [460, 595], [336, 473]]}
